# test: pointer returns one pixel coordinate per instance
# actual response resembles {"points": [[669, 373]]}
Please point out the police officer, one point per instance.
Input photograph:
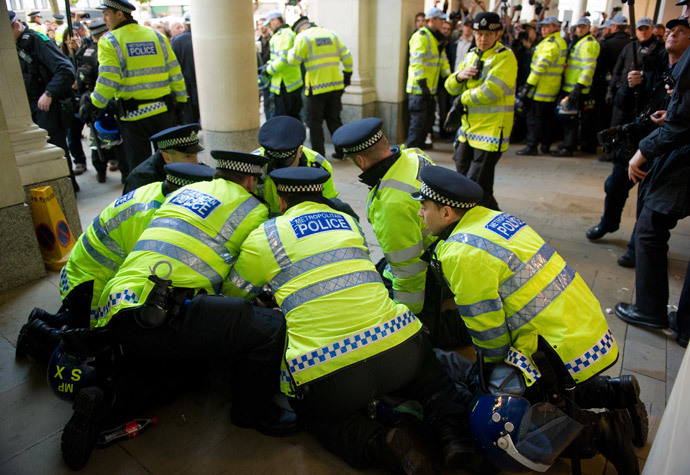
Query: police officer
{"points": [[391, 174], [524, 299], [543, 85], [427, 64], [139, 69], [48, 77], [320, 50], [286, 80], [184, 50], [488, 96], [317, 263], [35, 21], [60, 27], [176, 144], [577, 80], [281, 142], [97, 256]]}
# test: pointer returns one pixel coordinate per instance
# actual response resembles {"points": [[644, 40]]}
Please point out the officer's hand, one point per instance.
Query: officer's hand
{"points": [[262, 70], [527, 91], [609, 97], [86, 108], [467, 73], [634, 78], [658, 117], [44, 102], [454, 117], [635, 172], [426, 93], [347, 78]]}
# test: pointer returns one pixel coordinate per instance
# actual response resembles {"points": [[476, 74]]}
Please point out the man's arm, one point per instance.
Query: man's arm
{"points": [[500, 81], [547, 57], [177, 84], [62, 71], [246, 279], [109, 74]]}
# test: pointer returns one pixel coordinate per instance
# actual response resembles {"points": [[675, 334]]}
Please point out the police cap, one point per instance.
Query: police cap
{"points": [[13, 17], [281, 137], [487, 21], [299, 179], [435, 12], [448, 188], [682, 2], [33, 14], [301, 21], [59, 17], [646, 21], [183, 138], [608, 23], [272, 16], [584, 21], [241, 162], [181, 173], [97, 26], [187, 18], [122, 5], [682, 21], [359, 135], [549, 20], [619, 20]]}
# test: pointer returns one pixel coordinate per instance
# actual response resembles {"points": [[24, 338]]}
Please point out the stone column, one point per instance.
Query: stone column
{"points": [[225, 61]]}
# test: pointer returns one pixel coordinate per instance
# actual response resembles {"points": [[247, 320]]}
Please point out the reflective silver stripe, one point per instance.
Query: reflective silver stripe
{"points": [[409, 298], [551, 97], [317, 260], [99, 97], [473, 96], [500, 252], [173, 64], [419, 72], [587, 60], [105, 238], [192, 231], [276, 244], [297, 83], [526, 271], [589, 357], [327, 287], [398, 185], [182, 93], [480, 308], [488, 92], [243, 284], [490, 334], [109, 69], [130, 73], [322, 65], [417, 60], [236, 218], [118, 50], [345, 58], [143, 86], [181, 255], [502, 84], [164, 48], [348, 344], [297, 57], [97, 256], [176, 77], [494, 352], [318, 158], [113, 223], [557, 74], [550, 293], [107, 82], [402, 255], [489, 109], [520, 361], [409, 270]]}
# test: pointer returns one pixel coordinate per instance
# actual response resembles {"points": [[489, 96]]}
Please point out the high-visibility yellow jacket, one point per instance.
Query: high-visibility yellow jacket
{"points": [[101, 250], [546, 69], [581, 64], [136, 62], [336, 308], [489, 99], [36, 27], [510, 287], [321, 51], [401, 233], [426, 62], [196, 234], [267, 190], [281, 72]]}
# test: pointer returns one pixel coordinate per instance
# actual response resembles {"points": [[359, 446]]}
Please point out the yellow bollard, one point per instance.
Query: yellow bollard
{"points": [[54, 235]]}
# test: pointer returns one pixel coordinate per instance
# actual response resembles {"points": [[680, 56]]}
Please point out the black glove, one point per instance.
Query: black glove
{"points": [[527, 92], [454, 117], [609, 97], [87, 111], [347, 77], [262, 70], [426, 93], [179, 112], [574, 97]]}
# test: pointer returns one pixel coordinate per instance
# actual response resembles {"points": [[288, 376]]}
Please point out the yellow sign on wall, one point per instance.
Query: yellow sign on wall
{"points": [[54, 235]]}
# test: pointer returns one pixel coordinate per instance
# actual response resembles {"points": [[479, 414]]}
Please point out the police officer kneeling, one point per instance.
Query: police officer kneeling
{"points": [[347, 341], [525, 307]]}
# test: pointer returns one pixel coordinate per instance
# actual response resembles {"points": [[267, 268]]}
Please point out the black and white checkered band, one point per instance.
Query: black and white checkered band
{"points": [[364, 145], [432, 195], [280, 154], [116, 6], [311, 188], [492, 26], [179, 142], [242, 167], [176, 180]]}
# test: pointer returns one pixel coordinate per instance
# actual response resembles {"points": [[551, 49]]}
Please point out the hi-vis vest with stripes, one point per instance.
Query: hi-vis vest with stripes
{"points": [[321, 51], [136, 62], [279, 69], [546, 70], [101, 250], [510, 287], [489, 99], [581, 64], [426, 62], [401, 233], [336, 308], [196, 233]]}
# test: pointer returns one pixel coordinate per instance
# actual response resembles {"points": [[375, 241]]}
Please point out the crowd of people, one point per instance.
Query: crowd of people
{"points": [[258, 266]]}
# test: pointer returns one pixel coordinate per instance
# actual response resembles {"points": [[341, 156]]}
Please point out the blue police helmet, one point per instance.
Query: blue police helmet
{"points": [[108, 131], [68, 373], [564, 113]]}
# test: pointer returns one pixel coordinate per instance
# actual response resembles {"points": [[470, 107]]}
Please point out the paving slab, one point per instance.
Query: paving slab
{"points": [[645, 359]]}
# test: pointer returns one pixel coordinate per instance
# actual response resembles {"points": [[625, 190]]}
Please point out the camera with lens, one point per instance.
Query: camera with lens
{"points": [[456, 15], [669, 80], [518, 8], [538, 6], [622, 141]]}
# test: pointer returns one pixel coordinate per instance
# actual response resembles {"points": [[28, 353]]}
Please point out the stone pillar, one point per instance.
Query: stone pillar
{"points": [[225, 61]]}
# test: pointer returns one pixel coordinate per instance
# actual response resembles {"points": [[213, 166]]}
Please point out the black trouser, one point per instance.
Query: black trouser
{"points": [[540, 124], [617, 188], [136, 135], [288, 103], [480, 167], [422, 115], [444, 105], [74, 140], [319, 107], [581, 129], [332, 406], [115, 153], [78, 304], [652, 233], [683, 313], [247, 341], [191, 108]]}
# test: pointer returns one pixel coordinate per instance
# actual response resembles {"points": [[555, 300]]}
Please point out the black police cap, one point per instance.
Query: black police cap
{"points": [[299, 179], [97, 26], [487, 21], [122, 5], [58, 16], [34, 13], [13, 16], [240, 162], [183, 138], [182, 173], [678, 21], [682, 2], [281, 137], [300, 21], [359, 135], [448, 188]]}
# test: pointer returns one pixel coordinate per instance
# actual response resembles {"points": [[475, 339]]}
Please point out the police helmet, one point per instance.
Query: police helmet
{"points": [[108, 131], [69, 372], [565, 113]]}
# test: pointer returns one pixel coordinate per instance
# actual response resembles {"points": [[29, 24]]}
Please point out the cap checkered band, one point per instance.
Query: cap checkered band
{"points": [[176, 180], [281, 154], [98, 29], [310, 188], [364, 145], [242, 167], [432, 195], [116, 6], [179, 142]]}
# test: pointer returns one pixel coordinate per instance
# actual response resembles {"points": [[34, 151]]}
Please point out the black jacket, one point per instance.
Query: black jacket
{"points": [[148, 171], [611, 47], [624, 63], [43, 66]]}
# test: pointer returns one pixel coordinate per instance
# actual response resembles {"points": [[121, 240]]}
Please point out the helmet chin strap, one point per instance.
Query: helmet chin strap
{"points": [[506, 443]]}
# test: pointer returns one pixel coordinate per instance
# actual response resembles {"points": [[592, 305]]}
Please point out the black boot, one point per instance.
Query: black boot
{"points": [[56, 321], [394, 452], [614, 440], [79, 436], [38, 340]]}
